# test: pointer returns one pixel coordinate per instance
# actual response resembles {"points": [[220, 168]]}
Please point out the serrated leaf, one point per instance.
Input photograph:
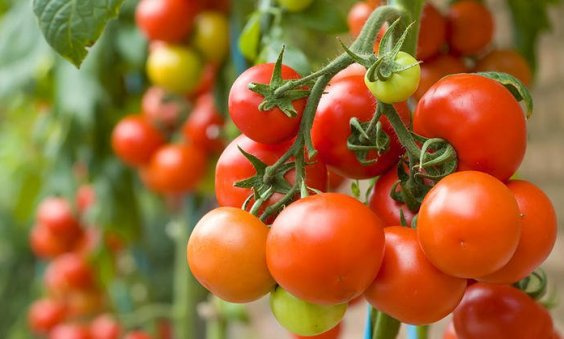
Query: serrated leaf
{"points": [[321, 16], [70, 26], [249, 40]]}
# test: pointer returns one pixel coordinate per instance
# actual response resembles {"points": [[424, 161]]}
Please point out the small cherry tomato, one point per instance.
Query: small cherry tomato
{"points": [[506, 61], [135, 140], [470, 27], [105, 326], [385, 207], [166, 20], [211, 35], [57, 215], [46, 244], [163, 109], [435, 69], [70, 331], [67, 272], [44, 314], [295, 5], [432, 33], [399, 86], [177, 69], [203, 126], [358, 14]]}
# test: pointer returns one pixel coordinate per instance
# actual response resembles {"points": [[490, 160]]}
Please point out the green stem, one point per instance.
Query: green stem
{"points": [[422, 332], [404, 135], [412, 13], [385, 327], [217, 328]]}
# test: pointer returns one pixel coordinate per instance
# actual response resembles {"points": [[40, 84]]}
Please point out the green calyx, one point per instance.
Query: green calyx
{"points": [[368, 139]]}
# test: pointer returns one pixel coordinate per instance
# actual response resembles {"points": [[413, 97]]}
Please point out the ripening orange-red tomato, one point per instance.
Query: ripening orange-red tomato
{"points": [[432, 33], [135, 140], [506, 61], [435, 69], [470, 27]]}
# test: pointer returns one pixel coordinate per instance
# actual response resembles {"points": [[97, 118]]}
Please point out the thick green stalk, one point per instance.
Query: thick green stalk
{"points": [[412, 13], [422, 332], [385, 326]]}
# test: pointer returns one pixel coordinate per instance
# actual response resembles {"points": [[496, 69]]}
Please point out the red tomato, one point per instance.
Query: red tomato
{"points": [[234, 240], [268, 127], [538, 233], [358, 14], [46, 244], [85, 198], [137, 335], [334, 181], [176, 168], [470, 27], [507, 61], [308, 250], [105, 326], [163, 109], [469, 224], [203, 127], [344, 100], [57, 215], [408, 287], [432, 33], [435, 69], [384, 205], [135, 140], [468, 110], [68, 272], [166, 20], [354, 70], [500, 311], [70, 331], [333, 333], [44, 314]]}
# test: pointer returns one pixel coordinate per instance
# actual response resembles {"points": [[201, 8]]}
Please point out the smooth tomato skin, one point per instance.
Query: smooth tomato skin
{"points": [[135, 140], [308, 250], [353, 70], [176, 168], [226, 254], [357, 16], [432, 32], [166, 20], [400, 86], [303, 318], [70, 331], [344, 100], [267, 127], [538, 233], [105, 326], [480, 118], [496, 311], [211, 35], [162, 109], [294, 5], [67, 272], [469, 224], [333, 333], [203, 126], [427, 296], [435, 69], [137, 335], [506, 61], [382, 203], [57, 215], [470, 27], [44, 314], [176, 68], [46, 244]]}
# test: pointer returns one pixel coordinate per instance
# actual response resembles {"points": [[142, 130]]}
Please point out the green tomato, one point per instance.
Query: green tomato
{"points": [[304, 318], [295, 5], [400, 86], [211, 35], [175, 68]]}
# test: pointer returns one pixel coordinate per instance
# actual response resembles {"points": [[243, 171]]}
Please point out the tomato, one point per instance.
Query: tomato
{"points": [[436, 68], [506, 61], [470, 27], [211, 35], [57, 215], [68, 272], [135, 140], [469, 224], [234, 241], [358, 14], [450, 332], [400, 86], [46, 244], [70, 331], [163, 109], [203, 127], [177, 69], [137, 335], [432, 32], [176, 168], [500, 311], [538, 233], [44, 314], [344, 100], [480, 118], [232, 167], [384, 205], [294, 5], [408, 287], [166, 20], [304, 318], [333, 333], [268, 127], [308, 250], [353, 70], [105, 326], [334, 181], [85, 198]]}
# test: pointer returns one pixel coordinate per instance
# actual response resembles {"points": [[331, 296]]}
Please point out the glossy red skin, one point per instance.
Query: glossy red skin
{"points": [[334, 333], [344, 100], [432, 32], [308, 249], [68, 272], [538, 233], [232, 167], [470, 27], [161, 110], [500, 312], [105, 326], [435, 69], [267, 127], [57, 215], [44, 314], [382, 203], [408, 287], [166, 20], [480, 118], [46, 244], [506, 61], [353, 70], [137, 335], [203, 127], [135, 140], [358, 14], [70, 331], [85, 198]]}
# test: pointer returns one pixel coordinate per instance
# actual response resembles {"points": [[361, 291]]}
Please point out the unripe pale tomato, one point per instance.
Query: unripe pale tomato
{"points": [[295, 5], [333, 333], [211, 35], [135, 140], [175, 68]]}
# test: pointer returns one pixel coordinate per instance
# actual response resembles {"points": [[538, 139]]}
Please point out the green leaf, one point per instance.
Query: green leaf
{"points": [[249, 40], [516, 87], [321, 16], [70, 26], [293, 56]]}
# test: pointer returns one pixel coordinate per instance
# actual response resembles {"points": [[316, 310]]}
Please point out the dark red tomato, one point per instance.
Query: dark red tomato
{"points": [[105, 326], [46, 244], [176, 168], [68, 272], [268, 127], [44, 314], [358, 14], [435, 69], [384, 205], [203, 127], [334, 333], [500, 312], [137, 335], [470, 27], [346, 99], [57, 215], [85, 198], [163, 109], [432, 33], [232, 167], [166, 20], [506, 61], [408, 287], [135, 140], [538, 233], [309, 250], [480, 118], [70, 331]]}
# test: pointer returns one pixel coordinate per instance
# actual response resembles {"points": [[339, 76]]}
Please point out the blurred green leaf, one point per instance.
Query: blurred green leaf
{"points": [[322, 16], [249, 40], [293, 57]]}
